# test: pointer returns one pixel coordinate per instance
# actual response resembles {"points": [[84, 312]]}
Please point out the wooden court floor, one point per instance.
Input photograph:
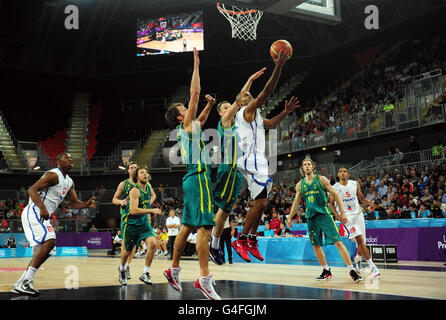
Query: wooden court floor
{"points": [[193, 40], [405, 279]]}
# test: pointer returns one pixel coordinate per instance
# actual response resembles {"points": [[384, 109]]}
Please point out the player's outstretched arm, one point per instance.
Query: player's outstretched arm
{"points": [[195, 90], [290, 106], [251, 79], [226, 120], [78, 204], [49, 179], [295, 205], [118, 193], [250, 111], [202, 118]]}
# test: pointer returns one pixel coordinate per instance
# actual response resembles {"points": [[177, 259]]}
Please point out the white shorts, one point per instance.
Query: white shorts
{"points": [[36, 231], [255, 172], [355, 226]]}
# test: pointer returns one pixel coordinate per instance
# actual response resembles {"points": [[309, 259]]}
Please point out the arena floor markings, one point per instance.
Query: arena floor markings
{"points": [[97, 278]]}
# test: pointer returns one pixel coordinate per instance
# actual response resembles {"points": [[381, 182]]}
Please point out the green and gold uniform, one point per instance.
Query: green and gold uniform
{"points": [[198, 208], [318, 214], [125, 193], [229, 179], [137, 227]]}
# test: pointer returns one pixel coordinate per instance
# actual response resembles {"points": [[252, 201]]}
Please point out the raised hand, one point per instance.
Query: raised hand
{"points": [[281, 58], [258, 74], [90, 203], [291, 105], [210, 99]]}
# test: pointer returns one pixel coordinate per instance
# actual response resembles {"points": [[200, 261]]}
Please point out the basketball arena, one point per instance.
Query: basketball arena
{"points": [[101, 99]]}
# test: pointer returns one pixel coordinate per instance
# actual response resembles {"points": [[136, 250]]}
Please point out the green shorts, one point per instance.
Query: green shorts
{"points": [[198, 208], [133, 234], [228, 188], [322, 223]]}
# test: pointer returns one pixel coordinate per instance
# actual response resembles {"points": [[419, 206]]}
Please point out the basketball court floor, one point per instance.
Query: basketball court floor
{"points": [[96, 277]]}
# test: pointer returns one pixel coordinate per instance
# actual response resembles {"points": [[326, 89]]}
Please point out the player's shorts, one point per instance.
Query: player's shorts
{"points": [[133, 234], [322, 224], [36, 231], [228, 188], [198, 208], [355, 226], [255, 172]]}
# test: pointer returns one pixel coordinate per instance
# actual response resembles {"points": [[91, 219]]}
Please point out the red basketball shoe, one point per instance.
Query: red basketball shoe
{"points": [[253, 249], [240, 246]]}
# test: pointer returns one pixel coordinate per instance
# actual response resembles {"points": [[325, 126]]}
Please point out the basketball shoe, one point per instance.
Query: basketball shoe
{"points": [[240, 246], [375, 272], [122, 276], [26, 287], [206, 286], [355, 276], [325, 275], [216, 255], [145, 277], [173, 278], [254, 249]]}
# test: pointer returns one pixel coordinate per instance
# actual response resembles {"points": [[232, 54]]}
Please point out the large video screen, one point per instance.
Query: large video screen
{"points": [[174, 33]]}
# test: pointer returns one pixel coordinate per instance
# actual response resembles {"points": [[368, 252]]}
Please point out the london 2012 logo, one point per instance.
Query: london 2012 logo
{"points": [[442, 245]]}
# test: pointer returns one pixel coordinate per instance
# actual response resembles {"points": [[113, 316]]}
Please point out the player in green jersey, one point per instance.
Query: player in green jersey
{"points": [[136, 225], [198, 211], [312, 189], [120, 198], [229, 179]]}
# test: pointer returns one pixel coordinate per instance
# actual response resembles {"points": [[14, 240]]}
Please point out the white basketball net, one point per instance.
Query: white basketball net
{"points": [[243, 22]]}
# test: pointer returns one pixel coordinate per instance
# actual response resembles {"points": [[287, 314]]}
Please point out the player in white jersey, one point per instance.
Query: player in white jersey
{"points": [[253, 164], [44, 197], [351, 194]]}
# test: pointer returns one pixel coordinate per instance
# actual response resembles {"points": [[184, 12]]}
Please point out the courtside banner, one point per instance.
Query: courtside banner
{"points": [[60, 252], [91, 240], [432, 244]]}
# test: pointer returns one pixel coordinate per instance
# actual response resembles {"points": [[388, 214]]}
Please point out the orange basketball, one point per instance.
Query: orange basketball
{"points": [[280, 45]]}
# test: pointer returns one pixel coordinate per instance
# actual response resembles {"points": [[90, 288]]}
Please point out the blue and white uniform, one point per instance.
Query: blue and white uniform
{"points": [[253, 164], [355, 218], [36, 231]]}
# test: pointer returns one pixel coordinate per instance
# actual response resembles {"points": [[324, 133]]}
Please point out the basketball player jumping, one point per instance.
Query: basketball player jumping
{"points": [[120, 198], [44, 197], [198, 211], [253, 164], [312, 189], [229, 179], [136, 225], [350, 192]]}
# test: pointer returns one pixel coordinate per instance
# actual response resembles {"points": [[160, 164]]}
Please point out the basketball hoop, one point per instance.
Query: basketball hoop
{"points": [[243, 22]]}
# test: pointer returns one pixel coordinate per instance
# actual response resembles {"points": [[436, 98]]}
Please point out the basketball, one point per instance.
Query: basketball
{"points": [[280, 45]]}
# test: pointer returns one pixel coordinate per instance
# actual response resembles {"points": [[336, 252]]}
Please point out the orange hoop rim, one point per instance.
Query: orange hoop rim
{"points": [[235, 12]]}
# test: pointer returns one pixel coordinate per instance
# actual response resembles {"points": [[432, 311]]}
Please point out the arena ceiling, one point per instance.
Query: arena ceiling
{"points": [[33, 37]]}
